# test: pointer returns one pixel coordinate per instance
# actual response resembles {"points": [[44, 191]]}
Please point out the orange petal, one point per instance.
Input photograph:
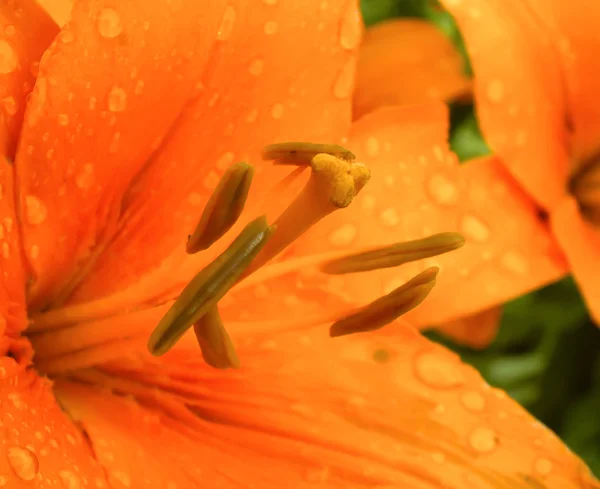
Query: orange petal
{"points": [[110, 86], [316, 413], [581, 244], [475, 331], [59, 10], [518, 91], [25, 32], [281, 73], [40, 446], [407, 61], [417, 189], [573, 29]]}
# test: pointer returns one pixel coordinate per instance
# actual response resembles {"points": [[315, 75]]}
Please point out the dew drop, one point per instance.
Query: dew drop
{"points": [[117, 99], [351, 27], [10, 105], [23, 462], [139, 87], [437, 370], [343, 236], [66, 36], [542, 466], [277, 111], [442, 190], [495, 91], [372, 147], [256, 67], [344, 82], [84, 179], [109, 23], [62, 119], [36, 210], [271, 27], [3, 480], [36, 102], [367, 201], [474, 229], [514, 263], [483, 439], [122, 477], [8, 58], [389, 217], [227, 23], [473, 401], [10, 30], [252, 116], [69, 479], [225, 161]]}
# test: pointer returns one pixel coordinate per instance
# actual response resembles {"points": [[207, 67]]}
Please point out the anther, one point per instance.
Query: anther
{"points": [[386, 309], [223, 208], [209, 286], [216, 345]]}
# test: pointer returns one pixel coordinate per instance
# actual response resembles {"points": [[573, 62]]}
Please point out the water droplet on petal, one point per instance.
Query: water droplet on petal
{"points": [[343, 236], [8, 58], [256, 66], [227, 23], [62, 119], [483, 439], [495, 91], [66, 36], [351, 27], [344, 83], [109, 23], [542, 466], [474, 229], [252, 116], [225, 161], [122, 477], [10, 30], [36, 210], [69, 479], [271, 27], [117, 99], [515, 263], [10, 105], [473, 401], [3, 480], [139, 87], [372, 147], [270, 2], [442, 190], [37, 100], [277, 111], [437, 370], [23, 462], [389, 217]]}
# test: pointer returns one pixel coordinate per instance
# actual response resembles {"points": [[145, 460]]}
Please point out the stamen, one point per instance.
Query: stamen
{"points": [[333, 184], [395, 255], [209, 286], [223, 208], [386, 309], [216, 345], [585, 187], [299, 153]]}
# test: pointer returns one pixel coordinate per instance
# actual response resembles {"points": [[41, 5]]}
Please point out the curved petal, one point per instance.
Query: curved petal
{"points": [[25, 32], [316, 413], [581, 244], [519, 92], [417, 189], [59, 10], [40, 446], [407, 61], [108, 88], [573, 30], [283, 72], [475, 331]]}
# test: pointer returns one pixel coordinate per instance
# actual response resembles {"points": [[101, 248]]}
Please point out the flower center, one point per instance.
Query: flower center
{"points": [[72, 338], [585, 187]]}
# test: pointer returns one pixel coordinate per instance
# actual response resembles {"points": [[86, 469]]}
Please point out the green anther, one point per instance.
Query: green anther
{"points": [[223, 208], [299, 153], [216, 345], [386, 309], [209, 286], [395, 255]]}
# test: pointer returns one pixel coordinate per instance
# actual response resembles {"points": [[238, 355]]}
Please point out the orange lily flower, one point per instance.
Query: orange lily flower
{"points": [[536, 73], [133, 116]]}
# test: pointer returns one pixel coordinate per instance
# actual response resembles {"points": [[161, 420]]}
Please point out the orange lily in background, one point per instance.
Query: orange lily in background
{"points": [[536, 78], [136, 112]]}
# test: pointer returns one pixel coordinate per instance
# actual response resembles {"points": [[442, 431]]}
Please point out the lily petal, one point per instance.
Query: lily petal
{"points": [[59, 10], [337, 413], [407, 61], [581, 244], [518, 91], [41, 447], [280, 73], [475, 331], [417, 189], [96, 114]]}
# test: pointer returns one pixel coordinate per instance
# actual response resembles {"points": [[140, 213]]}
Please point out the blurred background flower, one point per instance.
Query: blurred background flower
{"points": [[546, 353]]}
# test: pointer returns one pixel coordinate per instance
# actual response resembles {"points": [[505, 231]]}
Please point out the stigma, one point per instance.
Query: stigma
{"points": [[335, 180]]}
